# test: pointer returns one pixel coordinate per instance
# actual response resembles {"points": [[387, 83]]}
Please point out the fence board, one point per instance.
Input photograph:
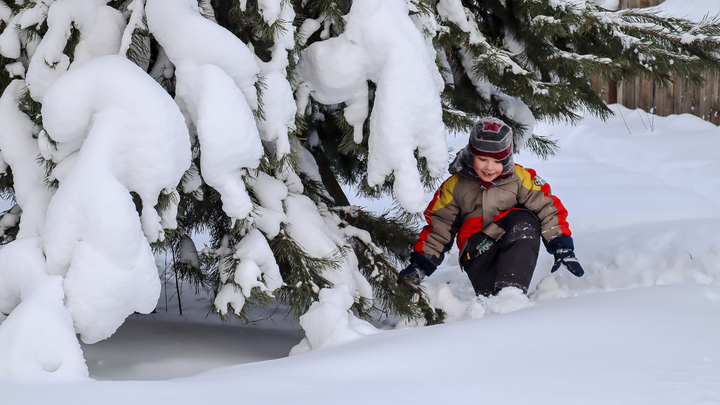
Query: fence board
{"points": [[677, 97]]}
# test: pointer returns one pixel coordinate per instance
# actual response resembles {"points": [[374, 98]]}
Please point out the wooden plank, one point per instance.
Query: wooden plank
{"points": [[702, 102], [677, 97], [640, 94], [715, 104]]}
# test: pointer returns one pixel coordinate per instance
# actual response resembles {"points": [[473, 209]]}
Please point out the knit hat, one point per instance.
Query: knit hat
{"points": [[493, 138]]}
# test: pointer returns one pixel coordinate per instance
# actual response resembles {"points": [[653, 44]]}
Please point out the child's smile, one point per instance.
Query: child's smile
{"points": [[488, 169]]}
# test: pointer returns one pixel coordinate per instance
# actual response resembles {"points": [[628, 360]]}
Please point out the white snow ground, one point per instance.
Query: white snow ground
{"points": [[641, 327]]}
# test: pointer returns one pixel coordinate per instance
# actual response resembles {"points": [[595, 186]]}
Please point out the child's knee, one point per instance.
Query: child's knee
{"points": [[524, 225]]}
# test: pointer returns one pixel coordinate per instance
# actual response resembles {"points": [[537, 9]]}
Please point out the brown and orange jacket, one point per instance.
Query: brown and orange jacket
{"points": [[462, 206]]}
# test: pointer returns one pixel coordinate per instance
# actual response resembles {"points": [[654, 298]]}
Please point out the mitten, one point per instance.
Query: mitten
{"points": [[476, 245], [567, 258], [413, 273], [562, 249], [418, 269]]}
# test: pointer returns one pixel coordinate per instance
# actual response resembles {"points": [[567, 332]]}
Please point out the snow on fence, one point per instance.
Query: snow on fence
{"points": [[677, 97]]}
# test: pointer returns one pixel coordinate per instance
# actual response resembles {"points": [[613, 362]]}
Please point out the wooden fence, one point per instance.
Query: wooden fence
{"points": [[677, 97]]}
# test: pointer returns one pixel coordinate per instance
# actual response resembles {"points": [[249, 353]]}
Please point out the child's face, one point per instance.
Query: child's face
{"points": [[488, 169]]}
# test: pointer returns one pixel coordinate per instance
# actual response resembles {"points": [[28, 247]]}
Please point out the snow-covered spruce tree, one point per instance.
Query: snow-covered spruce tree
{"points": [[134, 123], [525, 60], [104, 164]]}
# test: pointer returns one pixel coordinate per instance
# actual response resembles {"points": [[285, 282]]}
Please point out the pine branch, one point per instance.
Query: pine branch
{"points": [[393, 234], [331, 10], [301, 272], [394, 294], [30, 107], [139, 50], [72, 42], [542, 146], [561, 44]]}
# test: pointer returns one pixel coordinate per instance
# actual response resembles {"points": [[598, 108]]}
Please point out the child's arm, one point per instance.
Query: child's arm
{"points": [[535, 195], [443, 217]]}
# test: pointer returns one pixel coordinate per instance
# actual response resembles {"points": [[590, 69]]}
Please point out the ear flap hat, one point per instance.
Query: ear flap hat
{"points": [[493, 138]]}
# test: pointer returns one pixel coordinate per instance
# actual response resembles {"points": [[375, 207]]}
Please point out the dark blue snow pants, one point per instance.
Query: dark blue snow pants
{"points": [[511, 260]]}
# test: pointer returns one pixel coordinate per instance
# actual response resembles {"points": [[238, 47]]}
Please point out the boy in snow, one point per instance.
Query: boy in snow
{"points": [[499, 211]]}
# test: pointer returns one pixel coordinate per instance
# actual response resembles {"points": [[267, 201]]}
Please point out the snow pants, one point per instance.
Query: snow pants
{"points": [[511, 260]]}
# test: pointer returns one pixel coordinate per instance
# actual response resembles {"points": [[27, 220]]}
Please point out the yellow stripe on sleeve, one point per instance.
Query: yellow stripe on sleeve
{"points": [[526, 177], [446, 192]]}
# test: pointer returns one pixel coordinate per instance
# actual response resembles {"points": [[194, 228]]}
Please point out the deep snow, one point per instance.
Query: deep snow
{"points": [[641, 327]]}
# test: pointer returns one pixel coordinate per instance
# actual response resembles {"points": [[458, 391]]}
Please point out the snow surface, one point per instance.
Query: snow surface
{"points": [[643, 206], [695, 10], [641, 327]]}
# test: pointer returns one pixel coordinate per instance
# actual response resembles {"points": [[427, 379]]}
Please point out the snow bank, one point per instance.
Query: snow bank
{"points": [[37, 339], [329, 322], [643, 207], [695, 10]]}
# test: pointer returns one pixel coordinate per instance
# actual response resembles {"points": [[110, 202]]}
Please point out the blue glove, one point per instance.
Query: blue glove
{"points": [[562, 249], [418, 269], [413, 273], [566, 257]]}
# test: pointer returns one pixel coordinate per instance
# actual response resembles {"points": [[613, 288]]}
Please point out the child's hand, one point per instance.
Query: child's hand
{"points": [[418, 268], [562, 248], [566, 257], [413, 273], [476, 245]]}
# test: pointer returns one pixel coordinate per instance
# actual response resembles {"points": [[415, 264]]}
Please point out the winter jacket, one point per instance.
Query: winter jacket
{"points": [[462, 206]]}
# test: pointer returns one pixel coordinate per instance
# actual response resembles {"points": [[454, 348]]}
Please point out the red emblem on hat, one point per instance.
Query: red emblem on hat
{"points": [[492, 126]]}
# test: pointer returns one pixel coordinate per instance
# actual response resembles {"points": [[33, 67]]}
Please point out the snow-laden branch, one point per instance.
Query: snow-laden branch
{"points": [[116, 131], [216, 76], [19, 150], [100, 28], [279, 106], [382, 45]]}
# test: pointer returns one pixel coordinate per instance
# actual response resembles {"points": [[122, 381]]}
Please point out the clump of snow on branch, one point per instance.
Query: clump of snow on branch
{"points": [[93, 235], [20, 150], [278, 102], [455, 12], [11, 40], [324, 241], [381, 44], [135, 22], [100, 28], [33, 300], [326, 238], [269, 214], [329, 322], [216, 76], [256, 268]]}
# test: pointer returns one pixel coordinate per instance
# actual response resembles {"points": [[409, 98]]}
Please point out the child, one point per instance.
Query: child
{"points": [[499, 211]]}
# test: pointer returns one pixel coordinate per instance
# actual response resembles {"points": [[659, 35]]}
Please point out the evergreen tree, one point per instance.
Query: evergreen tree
{"points": [[288, 103]]}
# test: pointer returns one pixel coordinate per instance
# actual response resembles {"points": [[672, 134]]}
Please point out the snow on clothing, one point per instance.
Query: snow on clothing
{"points": [[462, 206], [507, 262]]}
